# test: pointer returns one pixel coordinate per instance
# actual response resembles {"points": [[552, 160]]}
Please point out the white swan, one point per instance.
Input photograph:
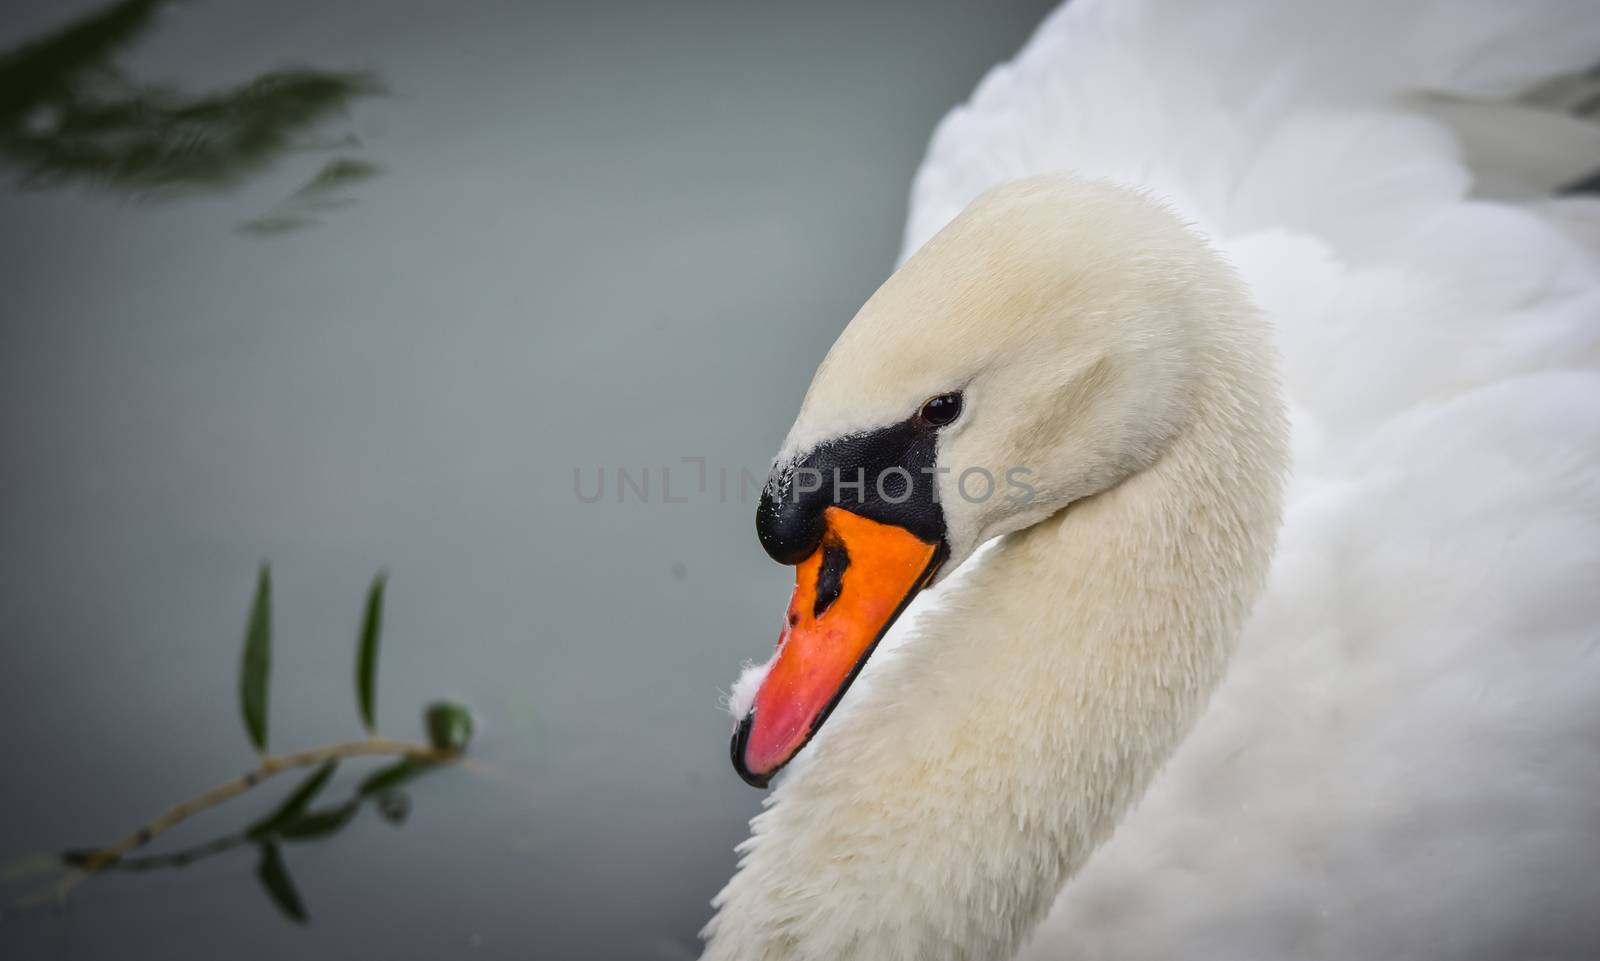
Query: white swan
{"points": [[1402, 756]]}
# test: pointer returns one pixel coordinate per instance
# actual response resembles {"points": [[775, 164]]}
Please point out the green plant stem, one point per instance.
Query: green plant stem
{"points": [[270, 766]]}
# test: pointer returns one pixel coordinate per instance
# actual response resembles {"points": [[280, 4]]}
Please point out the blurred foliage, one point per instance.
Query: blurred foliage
{"points": [[274, 875], [295, 819], [367, 655], [255, 667], [69, 114], [449, 727], [293, 807]]}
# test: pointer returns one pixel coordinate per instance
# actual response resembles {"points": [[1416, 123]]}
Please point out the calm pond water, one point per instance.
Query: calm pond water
{"points": [[375, 313]]}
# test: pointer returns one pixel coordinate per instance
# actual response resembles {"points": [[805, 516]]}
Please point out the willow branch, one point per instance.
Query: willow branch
{"points": [[273, 765]]}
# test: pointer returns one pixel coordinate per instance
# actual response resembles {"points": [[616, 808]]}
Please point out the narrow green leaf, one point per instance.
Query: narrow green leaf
{"points": [[392, 775], [274, 876], [449, 726], [295, 804], [336, 173], [367, 654], [315, 825], [255, 667]]}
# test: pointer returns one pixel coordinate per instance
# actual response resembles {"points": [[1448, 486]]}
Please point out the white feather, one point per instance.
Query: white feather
{"points": [[1404, 761], [743, 693], [1404, 758]]}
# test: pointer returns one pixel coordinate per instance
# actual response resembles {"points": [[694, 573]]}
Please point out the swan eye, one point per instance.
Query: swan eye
{"points": [[940, 410]]}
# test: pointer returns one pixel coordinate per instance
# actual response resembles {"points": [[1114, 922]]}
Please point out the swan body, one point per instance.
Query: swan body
{"points": [[1092, 721]]}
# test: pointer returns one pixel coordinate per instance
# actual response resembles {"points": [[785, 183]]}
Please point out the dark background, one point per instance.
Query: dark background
{"points": [[587, 235]]}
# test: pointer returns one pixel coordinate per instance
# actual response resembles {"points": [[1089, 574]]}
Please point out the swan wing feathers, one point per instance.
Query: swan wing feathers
{"points": [[1405, 759]]}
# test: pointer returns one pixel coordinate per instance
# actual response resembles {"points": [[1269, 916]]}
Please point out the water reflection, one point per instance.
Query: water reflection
{"points": [[69, 114]]}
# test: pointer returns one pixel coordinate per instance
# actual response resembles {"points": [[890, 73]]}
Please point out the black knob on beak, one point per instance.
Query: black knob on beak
{"points": [[886, 475], [789, 518]]}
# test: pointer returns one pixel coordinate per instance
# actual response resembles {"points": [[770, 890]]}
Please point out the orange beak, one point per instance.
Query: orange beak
{"points": [[846, 595]]}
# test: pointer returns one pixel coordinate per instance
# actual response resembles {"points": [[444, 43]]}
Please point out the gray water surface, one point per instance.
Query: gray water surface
{"points": [[582, 235]]}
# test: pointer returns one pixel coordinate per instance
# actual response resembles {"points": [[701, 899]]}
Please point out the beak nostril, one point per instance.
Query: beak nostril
{"points": [[830, 575]]}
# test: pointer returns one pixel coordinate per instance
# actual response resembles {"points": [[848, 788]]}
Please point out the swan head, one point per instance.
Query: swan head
{"points": [[1039, 350]]}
